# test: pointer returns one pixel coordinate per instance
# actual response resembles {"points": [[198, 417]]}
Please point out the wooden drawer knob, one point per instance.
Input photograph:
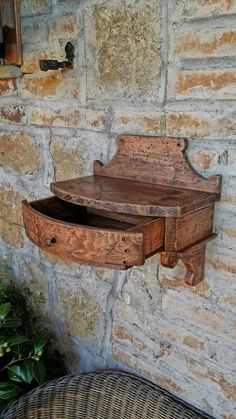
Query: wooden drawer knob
{"points": [[50, 241]]}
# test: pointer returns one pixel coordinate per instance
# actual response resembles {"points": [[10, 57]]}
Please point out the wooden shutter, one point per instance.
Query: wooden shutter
{"points": [[10, 11]]}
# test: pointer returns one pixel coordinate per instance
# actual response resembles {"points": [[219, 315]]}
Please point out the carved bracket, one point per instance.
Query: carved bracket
{"points": [[193, 259]]}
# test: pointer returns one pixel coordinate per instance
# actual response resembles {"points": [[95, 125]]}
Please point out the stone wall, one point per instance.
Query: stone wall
{"points": [[151, 67]]}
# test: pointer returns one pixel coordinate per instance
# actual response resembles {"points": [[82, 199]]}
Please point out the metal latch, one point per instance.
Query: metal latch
{"points": [[46, 65]]}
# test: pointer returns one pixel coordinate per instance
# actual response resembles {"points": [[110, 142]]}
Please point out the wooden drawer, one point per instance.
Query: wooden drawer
{"points": [[94, 237]]}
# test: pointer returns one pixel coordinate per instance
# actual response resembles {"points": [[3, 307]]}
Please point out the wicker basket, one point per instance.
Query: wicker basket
{"points": [[101, 395]]}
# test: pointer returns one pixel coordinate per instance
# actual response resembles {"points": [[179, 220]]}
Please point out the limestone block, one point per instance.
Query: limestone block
{"points": [[11, 223], [73, 157], [19, 152], [123, 41]]}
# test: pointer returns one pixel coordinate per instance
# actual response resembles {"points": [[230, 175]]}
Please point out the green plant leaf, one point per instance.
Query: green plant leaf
{"points": [[12, 323], [39, 371], [9, 390], [21, 372], [4, 384], [13, 374], [4, 310], [3, 339], [41, 342], [17, 340]]}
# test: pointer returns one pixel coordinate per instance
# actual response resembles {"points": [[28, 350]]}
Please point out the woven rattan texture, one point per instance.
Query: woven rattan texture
{"points": [[101, 395]]}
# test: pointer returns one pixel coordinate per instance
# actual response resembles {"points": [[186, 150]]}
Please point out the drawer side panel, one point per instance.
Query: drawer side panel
{"points": [[153, 235]]}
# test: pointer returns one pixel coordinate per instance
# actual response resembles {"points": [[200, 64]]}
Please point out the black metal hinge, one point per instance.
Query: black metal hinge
{"points": [[46, 65]]}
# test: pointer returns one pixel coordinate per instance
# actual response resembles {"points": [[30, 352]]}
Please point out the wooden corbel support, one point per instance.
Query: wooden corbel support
{"points": [[193, 259]]}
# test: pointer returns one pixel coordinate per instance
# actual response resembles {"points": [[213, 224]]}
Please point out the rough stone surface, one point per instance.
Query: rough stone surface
{"points": [[65, 25], [31, 58], [195, 9], [56, 88], [10, 217], [18, 152], [147, 122], [8, 87], [214, 43], [33, 279], [35, 33], [141, 67], [29, 7], [68, 163], [127, 358], [71, 116], [127, 44], [73, 157], [210, 125], [140, 296], [215, 84], [13, 113], [80, 312]]}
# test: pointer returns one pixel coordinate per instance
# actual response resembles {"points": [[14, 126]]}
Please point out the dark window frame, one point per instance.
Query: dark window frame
{"points": [[10, 16]]}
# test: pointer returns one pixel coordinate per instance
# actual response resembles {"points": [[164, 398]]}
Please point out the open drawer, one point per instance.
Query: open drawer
{"points": [[91, 236]]}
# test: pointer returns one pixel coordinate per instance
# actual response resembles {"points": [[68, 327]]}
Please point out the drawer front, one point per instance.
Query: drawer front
{"points": [[79, 243]]}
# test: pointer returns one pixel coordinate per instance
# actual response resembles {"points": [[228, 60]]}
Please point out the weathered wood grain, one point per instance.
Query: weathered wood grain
{"points": [[186, 230], [57, 208], [112, 219], [185, 239], [94, 245], [127, 218], [156, 160], [153, 235], [193, 258], [194, 261], [130, 197]]}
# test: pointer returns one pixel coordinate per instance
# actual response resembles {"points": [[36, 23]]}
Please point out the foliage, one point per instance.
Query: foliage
{"points": [[26, 355]]}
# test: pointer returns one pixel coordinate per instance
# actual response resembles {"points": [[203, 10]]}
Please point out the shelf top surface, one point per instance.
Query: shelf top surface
{"points": [[132, 197]]}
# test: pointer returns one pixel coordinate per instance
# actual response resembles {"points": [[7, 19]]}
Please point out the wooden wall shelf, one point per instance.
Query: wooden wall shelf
{"points": [[147, 200]]}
